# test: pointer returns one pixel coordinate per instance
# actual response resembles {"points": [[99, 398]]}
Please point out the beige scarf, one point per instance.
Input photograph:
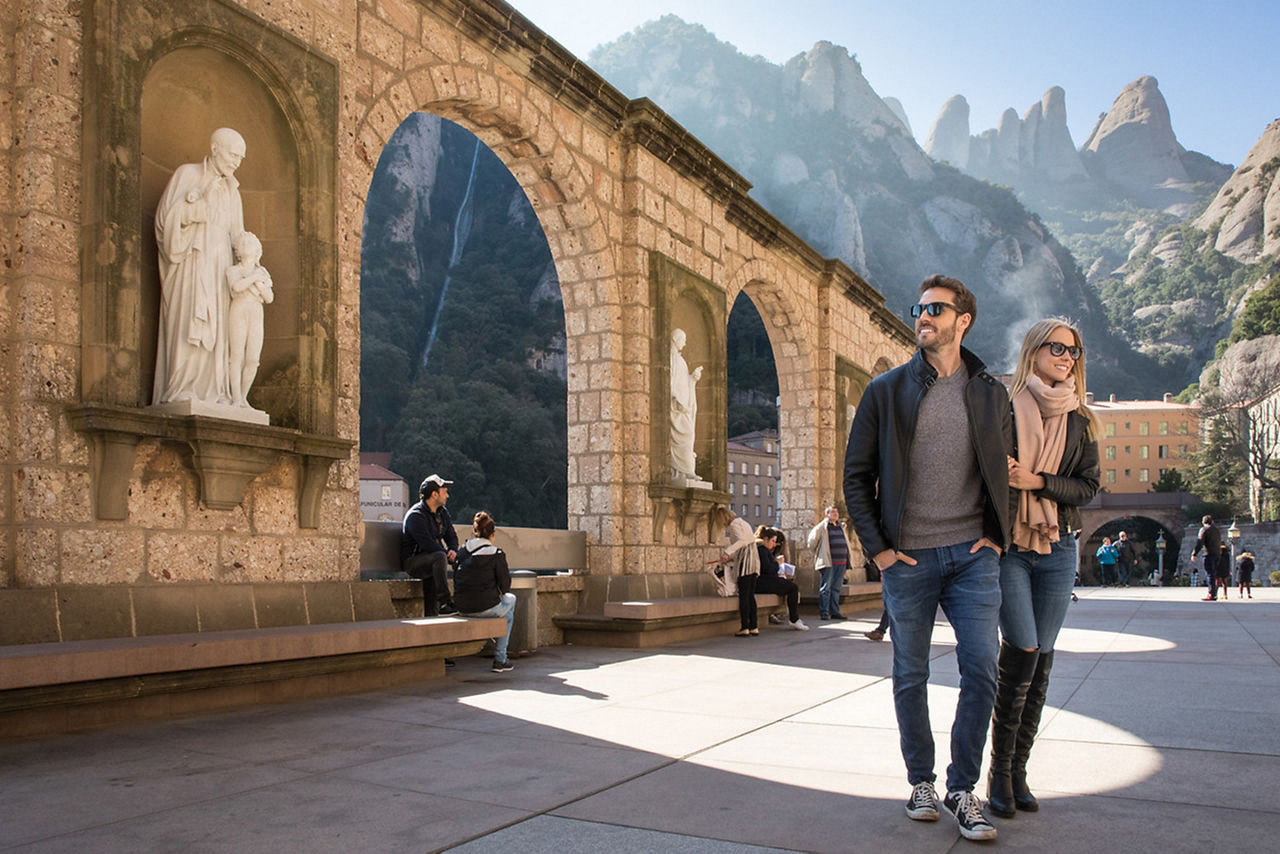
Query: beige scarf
{"points": [[1040, 416]]}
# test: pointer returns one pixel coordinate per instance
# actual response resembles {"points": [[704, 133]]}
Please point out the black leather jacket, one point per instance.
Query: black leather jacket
{"points": [[1076, 481], [875, 465]]}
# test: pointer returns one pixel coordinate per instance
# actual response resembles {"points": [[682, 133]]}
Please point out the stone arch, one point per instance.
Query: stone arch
{"points": [[1170, 522], [793, 341], [548, 158]]}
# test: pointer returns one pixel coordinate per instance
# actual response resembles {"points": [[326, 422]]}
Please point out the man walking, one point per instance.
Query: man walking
{"points": [[428, 544], [926, 481], [1209, 539], [1125, 558], [830, 559]]}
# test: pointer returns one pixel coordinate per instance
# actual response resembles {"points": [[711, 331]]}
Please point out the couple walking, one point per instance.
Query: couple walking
{"points": [[968, 500]]}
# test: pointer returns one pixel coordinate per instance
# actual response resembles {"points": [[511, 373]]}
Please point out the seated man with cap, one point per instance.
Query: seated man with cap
{"points": [[428, 544]]}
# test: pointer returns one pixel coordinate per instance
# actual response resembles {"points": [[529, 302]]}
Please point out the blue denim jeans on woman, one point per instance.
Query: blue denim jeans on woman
{"points": [[967, 586], [1036, 590], [506, 607]]}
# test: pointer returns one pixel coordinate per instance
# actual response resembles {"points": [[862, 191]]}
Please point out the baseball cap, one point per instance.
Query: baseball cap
{"points": [[432, 481]]}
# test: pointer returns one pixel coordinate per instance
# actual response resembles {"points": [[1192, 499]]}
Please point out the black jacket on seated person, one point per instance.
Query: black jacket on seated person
{"points": [[481, 577]]}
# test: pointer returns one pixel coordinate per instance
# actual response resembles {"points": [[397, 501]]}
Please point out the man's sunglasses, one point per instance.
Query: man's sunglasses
{"points": [[933, 309], [1057, 348]]}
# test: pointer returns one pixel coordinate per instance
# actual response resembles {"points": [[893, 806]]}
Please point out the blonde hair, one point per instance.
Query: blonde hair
{"points": [[1035, 338]]}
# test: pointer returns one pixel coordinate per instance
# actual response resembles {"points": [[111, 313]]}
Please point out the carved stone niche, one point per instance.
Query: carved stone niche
{"points": [[682, 299], [226, 456], [159, 77]]}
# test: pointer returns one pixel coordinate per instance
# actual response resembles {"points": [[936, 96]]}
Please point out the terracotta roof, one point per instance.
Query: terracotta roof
{"points": [[373, 471]]}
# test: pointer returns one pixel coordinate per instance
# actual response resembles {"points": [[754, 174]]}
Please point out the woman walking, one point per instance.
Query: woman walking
{"points": [[1053, 472]]}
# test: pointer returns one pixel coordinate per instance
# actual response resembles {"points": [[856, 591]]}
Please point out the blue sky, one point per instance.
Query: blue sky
{"points": [[1216, 61]]}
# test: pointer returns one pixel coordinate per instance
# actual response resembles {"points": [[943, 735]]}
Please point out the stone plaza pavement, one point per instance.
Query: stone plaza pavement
{"points": [[1163, 735]]}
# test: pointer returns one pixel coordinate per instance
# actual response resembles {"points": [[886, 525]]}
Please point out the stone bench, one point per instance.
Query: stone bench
{"points": [[641, 624], [644, 624], [860, 593], [76, 658]]}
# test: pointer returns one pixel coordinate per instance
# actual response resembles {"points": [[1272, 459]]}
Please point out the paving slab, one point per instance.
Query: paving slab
{"points": [[782, 742]]}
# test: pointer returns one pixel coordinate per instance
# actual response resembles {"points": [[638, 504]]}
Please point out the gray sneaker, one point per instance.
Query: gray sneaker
{"points": [[967, 809], [923, 805]]}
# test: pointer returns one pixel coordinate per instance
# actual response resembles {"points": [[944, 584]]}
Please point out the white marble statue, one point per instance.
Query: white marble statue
{"points": [[250, 287], [198, 221], [684, 414]]}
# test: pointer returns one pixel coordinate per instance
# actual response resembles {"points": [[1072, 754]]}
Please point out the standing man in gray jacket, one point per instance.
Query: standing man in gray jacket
{"points": [[831, 559], [926, 481]]}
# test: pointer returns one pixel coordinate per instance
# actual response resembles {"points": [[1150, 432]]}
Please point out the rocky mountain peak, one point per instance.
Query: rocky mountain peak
{"points": [[895, 106], [1246, 211], [949, 137], [1133, 146], [828, 78]]}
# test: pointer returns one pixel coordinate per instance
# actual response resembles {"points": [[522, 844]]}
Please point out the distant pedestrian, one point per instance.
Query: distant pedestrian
{"points": [[831, 559], [1210, 540], [1245, 569], [1224, 570], [878, 633], [1126, 557], [1107, 557]]}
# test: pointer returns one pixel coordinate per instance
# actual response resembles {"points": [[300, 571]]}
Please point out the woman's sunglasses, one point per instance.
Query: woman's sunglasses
{"points": [[933, 309], [1057, 348]]}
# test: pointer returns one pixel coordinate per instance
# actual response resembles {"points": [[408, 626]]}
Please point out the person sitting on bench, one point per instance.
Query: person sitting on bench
{"points": [[428, 545]]}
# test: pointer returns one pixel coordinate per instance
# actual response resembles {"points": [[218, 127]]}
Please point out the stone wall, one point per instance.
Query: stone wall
{"points": [[613, 182]]}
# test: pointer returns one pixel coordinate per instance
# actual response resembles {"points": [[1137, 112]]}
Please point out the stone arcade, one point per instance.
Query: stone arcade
{"points": [[650, 232]]}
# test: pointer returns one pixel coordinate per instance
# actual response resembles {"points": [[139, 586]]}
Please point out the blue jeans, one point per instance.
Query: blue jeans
{"points": [[506, 607], [1036, 590], [967, 586], [831, 582]]}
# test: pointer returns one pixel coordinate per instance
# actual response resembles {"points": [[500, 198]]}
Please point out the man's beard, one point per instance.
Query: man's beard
{"points": [[941, 338]]}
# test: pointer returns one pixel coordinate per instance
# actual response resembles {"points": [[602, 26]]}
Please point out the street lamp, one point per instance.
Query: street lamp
{"points": [[1161, 545]]}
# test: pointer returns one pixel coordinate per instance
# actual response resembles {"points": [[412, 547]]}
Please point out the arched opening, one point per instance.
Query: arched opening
{"points": [[754, 448], [1144, 533], [463, 360]]}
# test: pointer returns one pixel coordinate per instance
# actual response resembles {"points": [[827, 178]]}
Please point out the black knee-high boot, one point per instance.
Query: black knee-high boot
{"points": [[1017, 667], [1027, 732]]}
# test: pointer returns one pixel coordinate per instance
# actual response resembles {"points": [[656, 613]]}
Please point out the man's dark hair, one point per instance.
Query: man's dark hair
{"points": [[964, 300]]}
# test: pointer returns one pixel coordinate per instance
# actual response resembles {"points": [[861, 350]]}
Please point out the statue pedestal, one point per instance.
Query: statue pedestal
{"points": [[246, 414], [690, 504], [690, 483]]}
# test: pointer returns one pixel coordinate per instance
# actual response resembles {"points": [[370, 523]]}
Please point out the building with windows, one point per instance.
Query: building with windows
{"points": [[1143, 439], [754, 474], [384, 495]]}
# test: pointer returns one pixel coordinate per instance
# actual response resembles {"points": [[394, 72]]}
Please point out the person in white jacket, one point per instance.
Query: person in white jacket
{"points": [[737, 560], [831, 559]]}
